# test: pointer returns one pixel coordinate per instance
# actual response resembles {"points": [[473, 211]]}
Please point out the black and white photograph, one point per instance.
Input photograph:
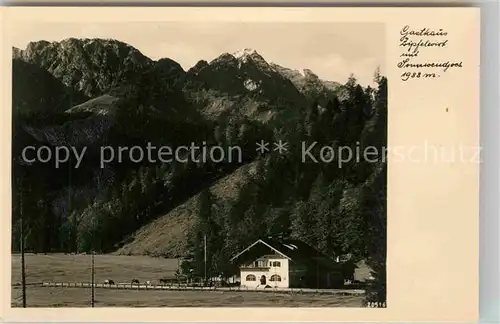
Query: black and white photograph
{"points": [[199, 164]]}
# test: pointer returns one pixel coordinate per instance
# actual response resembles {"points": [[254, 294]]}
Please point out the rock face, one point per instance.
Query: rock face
{"points": [[246, 73], [91, 66], [243, 84], [311, 86]]}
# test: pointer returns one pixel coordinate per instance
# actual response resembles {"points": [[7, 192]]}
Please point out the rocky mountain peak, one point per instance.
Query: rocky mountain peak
{"points": [[249, 54], [244, 52], [240, 57], [309, 74], [224, 57], [89, 65]]}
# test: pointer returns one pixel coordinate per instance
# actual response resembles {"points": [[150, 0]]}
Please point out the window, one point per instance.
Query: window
{"points": [[275, 278], [250, 277], [260, 264], [276, 264]]}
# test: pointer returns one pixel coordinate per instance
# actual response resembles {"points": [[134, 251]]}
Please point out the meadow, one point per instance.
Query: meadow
{"points": [[77, 268]]}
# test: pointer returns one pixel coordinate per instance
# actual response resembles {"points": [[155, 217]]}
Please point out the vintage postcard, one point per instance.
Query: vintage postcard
{"points": [[314, 164]]}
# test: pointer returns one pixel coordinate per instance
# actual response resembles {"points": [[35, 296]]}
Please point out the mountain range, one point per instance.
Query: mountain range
{"points": [[96, 92]]}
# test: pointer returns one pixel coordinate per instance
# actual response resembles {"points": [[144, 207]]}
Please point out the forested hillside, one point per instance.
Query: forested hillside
{"points": [[90, 93]]}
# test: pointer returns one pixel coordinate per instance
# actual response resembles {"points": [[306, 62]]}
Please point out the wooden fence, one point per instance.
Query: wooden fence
{"points": [[342, 292]]}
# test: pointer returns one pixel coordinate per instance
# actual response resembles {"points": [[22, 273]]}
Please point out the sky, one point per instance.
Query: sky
{"points": [[331, 50]]}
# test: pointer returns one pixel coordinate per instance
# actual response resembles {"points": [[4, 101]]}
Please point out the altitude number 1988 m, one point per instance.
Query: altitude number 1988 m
{"points": [[418, 75]]}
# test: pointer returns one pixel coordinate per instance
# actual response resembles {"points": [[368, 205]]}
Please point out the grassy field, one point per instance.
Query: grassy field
{"points": [[76, 268]]}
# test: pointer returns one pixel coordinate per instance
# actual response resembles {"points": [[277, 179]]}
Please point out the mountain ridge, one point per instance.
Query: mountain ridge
{"points": [[39, 52]]}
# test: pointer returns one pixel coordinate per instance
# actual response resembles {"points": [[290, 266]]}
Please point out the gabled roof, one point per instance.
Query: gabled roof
{"points": [[290, 249], [259, 242]]}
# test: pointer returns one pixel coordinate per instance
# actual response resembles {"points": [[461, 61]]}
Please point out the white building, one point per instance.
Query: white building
{"points": [[286, 263]]}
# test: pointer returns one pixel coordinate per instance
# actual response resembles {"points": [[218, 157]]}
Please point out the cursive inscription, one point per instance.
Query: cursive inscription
{"points": [[414, 42]]}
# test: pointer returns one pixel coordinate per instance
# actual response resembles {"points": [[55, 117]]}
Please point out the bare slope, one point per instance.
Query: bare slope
{"points": [[168, 235]]}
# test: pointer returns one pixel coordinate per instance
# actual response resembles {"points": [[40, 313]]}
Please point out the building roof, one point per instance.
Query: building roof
{"points": [[289, 249]]}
